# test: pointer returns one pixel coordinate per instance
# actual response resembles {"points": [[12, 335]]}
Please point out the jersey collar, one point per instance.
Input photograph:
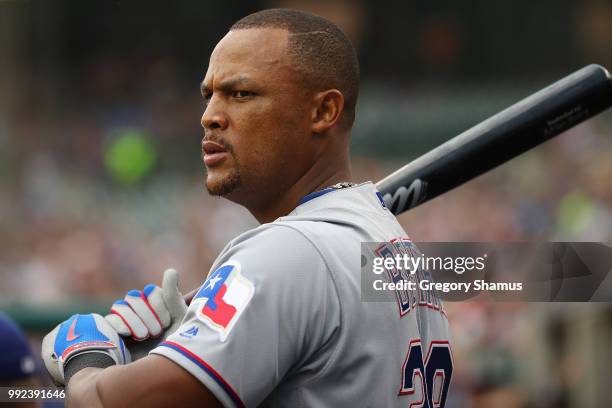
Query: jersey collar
{"points": [[315, 194]]}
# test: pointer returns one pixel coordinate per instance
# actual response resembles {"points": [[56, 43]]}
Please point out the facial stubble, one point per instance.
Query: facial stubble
{"points": [[230, 182], [227, 185]]}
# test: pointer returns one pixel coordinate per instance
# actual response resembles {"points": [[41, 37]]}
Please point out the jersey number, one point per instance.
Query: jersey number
{"points": [[434, 373]]}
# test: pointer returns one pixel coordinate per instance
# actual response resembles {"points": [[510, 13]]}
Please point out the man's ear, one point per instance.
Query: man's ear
{"points": [[327, 107]]}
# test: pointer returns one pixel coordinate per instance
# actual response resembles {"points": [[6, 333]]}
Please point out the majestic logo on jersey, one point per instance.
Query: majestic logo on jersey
{"points": [[189, 333], [223, 298]]}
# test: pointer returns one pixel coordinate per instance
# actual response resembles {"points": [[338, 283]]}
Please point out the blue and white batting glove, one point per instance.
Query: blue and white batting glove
{"points": [[79, 335], [149, 313]]}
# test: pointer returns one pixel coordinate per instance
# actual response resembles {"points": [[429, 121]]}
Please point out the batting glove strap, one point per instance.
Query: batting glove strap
{"points": [[85, 360], [78, 335]]}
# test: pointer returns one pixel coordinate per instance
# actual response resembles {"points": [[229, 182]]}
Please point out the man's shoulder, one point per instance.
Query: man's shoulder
{"points": [[274, 234], [272, 245], [353, 207]]}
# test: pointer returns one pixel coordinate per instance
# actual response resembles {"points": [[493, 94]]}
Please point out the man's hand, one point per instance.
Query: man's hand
{"points": [[79, 335], [150, 313]]}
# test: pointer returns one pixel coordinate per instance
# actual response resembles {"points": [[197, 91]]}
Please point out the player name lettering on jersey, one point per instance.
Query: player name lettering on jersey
{"points": [[413, 293]]}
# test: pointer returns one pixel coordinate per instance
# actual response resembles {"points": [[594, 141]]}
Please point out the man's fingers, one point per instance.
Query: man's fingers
{"points": [[174, 300], [149, 312], [136, 327], [172, 296], [154, 295], [117, 323], [141, 306]]}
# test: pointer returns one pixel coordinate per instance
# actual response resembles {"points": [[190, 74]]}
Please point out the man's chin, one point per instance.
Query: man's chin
{"points": [[223, 186]]}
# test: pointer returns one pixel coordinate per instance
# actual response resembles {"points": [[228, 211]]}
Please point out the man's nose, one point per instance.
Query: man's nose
{"points": [[213, 116]]}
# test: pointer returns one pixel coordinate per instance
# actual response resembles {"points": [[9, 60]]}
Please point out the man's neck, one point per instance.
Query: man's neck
{"points": [[316, 178]]}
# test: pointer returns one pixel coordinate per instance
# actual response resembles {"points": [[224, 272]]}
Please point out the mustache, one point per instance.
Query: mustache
{"points": [[216, 139]]}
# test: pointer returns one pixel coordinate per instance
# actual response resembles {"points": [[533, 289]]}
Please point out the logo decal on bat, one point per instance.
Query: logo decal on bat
{"points": [[405, 198]]}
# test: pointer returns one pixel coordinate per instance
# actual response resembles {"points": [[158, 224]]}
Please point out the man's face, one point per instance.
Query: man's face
{"points": [[256, 122]]}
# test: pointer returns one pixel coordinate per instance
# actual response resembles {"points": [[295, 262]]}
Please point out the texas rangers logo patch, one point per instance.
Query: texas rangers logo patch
{"points": [[223, 298]]}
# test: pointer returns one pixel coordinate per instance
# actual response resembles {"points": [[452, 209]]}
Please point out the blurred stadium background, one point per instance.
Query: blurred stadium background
{"points": [[101, 176]]}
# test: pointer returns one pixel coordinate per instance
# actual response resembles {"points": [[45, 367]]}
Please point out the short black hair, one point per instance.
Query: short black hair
{"points": [[318, 48]]}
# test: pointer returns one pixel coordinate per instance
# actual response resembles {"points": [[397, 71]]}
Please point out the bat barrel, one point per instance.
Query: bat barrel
{"points": [[500, 138]]}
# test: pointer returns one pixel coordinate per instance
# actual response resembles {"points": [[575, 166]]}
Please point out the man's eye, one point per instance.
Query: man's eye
{"points": [[206, 98], [242, 94]]}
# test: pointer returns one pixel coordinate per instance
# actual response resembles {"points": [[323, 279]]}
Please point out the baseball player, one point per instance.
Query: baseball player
{"points": [[18, 366], [278, 321]]}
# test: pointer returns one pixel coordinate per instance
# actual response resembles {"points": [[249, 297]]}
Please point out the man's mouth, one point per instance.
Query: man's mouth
{"points": [[213, 153]]}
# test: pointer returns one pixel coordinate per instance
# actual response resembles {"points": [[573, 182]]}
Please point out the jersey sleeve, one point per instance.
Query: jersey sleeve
{"points": [[261, 315]]}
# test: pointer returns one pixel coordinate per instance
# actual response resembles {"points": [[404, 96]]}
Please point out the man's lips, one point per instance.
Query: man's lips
{"points": [[213, 153]]}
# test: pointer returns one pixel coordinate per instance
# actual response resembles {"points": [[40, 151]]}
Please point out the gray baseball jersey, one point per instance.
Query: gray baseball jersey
{"points": [[279, 320]]}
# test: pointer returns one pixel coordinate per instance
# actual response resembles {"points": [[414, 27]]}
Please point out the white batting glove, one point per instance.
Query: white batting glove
{"points": [[150, 313], [81, 334]]}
